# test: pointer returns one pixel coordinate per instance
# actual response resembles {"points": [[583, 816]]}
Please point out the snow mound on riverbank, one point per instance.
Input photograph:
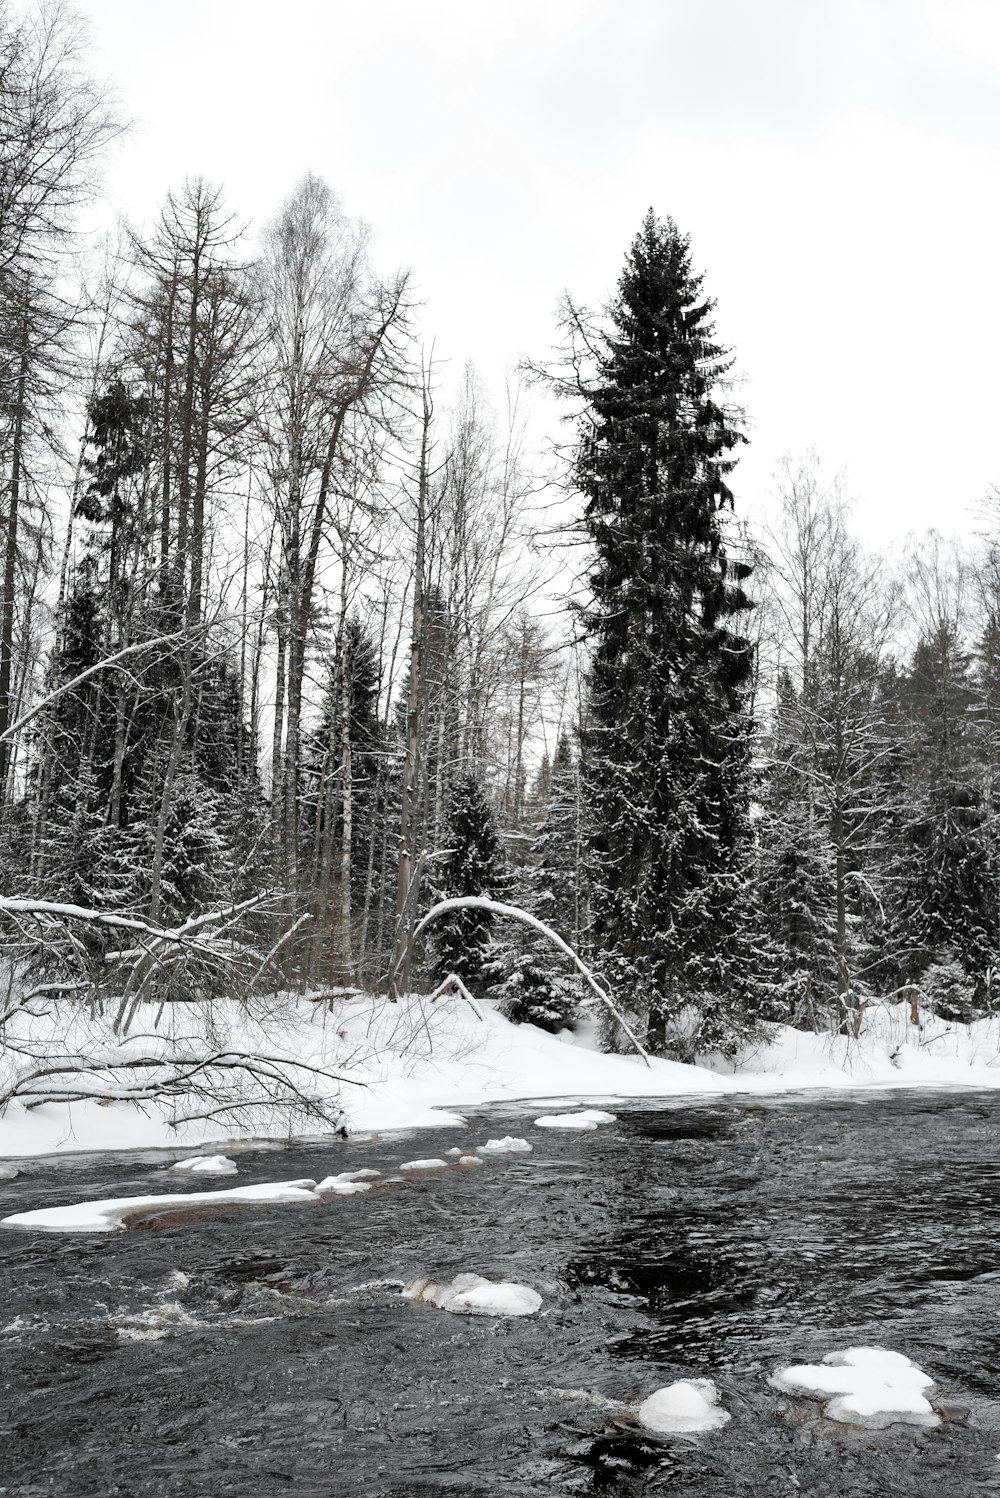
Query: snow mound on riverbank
{"points": [[112, 1215], [687, 1407], [868, 1386], [472, 1295], [890, 1050], [416, 1065]]}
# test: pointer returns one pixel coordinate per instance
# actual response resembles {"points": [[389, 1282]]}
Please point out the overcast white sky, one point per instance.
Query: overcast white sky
{"points": [[835, 162]]}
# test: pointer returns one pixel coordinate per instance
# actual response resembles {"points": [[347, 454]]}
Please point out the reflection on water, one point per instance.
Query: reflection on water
{"points": [[268, 1351]]}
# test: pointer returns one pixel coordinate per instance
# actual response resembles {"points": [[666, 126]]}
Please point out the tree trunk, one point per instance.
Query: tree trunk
{"points": [[8, 598]]}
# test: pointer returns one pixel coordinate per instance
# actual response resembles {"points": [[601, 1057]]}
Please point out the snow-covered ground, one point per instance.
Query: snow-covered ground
{"points": [[418, 1065]]}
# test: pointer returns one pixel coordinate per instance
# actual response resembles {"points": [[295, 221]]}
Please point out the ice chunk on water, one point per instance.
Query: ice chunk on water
{"points": [[684, 1408], [869, 1386], [9, 1172], [454, 1153], [469, 1160], [877, 1406], [424, 1165], [472, 1295], [565, 1121], [349, 1182], [597, 1115], [508, 1145], [892, 1366], [208, 1165], [816, 1379]]}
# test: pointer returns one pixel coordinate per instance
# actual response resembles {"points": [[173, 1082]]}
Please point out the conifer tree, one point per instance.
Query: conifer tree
{"points": [[474, 865], [667, 753], [531, 983], [795, 872], [945, 885], [555, 861]]}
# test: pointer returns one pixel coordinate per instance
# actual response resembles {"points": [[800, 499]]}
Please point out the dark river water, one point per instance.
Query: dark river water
{"points": [[254, 1352]]}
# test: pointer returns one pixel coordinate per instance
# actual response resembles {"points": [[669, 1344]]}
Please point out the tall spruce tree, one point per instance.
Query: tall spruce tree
{"points": [[667, 753], [475, 865]]}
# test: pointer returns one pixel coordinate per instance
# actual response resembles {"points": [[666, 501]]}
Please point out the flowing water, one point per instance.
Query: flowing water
{"points": [[258, 1351]]}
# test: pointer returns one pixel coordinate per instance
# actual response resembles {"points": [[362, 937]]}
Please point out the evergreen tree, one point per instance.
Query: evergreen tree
{"points": [[945, 886], [795, 872], [667, 755], [555, 862], [530, 981], [474, 865]]}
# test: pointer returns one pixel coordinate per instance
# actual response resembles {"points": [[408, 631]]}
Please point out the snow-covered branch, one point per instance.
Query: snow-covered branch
{"points": [[515, 913]]}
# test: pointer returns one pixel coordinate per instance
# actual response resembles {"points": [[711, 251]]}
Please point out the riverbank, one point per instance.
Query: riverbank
{"points": [[418, 1065]]}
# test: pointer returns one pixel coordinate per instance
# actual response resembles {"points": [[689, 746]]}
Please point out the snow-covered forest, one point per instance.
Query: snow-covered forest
{"points": [[302, 631]]}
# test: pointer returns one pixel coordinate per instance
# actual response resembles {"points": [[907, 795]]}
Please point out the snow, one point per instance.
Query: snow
{"points": [[869, 1386], [565, 1121], [360, 1178], [472, 1295], [683, 1408], [508, 1145], [469, 1160], [209, 1165], [111, 1215], [336, 1186], [424, 1165], [418, 1066]]}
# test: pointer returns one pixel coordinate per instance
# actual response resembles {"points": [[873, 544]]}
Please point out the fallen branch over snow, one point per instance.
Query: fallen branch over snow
{"points": [[515, 913]]}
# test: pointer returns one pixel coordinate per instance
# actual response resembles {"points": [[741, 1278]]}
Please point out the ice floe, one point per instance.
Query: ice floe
{"points": [[472, 1295], [9, 1172], [349, 1182], [424, 1165], [683, 1408], [869, 1386], [208, 1165], [468, 1160], [565, 1121], [508, 1145], [111, 1216]]}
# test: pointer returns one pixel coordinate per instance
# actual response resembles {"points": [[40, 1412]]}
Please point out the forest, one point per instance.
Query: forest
{"points": [[302, 632]]}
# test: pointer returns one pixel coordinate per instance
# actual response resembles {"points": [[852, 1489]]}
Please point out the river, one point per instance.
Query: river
{"points": [[258, 1351]]}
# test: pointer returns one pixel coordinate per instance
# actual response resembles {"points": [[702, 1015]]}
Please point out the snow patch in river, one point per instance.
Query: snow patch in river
{"points": [[472, 1295], [208, 1165], [112, 1215], [686, 1407], [869, 1386]]}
